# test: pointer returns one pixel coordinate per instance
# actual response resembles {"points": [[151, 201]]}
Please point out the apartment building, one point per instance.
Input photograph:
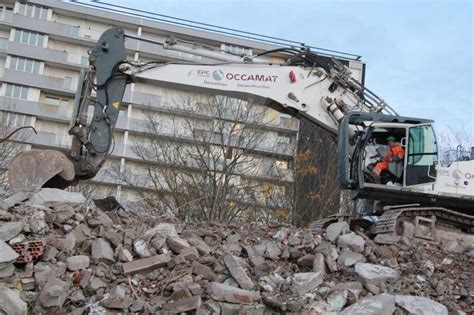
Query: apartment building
{"points": [[43, 46]]}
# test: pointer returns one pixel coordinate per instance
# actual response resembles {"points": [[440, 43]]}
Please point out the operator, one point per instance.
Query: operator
{"points": [[394, 154]]}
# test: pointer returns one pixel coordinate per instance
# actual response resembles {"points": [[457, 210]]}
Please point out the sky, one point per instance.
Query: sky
{"points": [[419, 53]]}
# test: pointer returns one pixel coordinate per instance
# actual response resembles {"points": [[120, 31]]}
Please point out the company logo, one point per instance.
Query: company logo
{"points": [[218, 75], [457, 174]]}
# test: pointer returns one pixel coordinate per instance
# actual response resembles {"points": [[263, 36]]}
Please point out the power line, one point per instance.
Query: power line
{"points": [[210, 27]]}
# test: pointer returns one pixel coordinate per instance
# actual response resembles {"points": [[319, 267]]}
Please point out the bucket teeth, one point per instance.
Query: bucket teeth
{"points": [[32, 170]]}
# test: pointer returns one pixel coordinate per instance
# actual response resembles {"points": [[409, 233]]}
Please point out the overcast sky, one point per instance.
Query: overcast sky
{"points": [[419, 53]]}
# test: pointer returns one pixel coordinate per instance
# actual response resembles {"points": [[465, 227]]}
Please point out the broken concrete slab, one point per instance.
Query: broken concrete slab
{"points": [[182, 305], [387, 239], [102, 252], [204, 271], [14, 199], [319, 264], [305, 282], [226, 293], [77, 262], [11, 302], [52, 195], [375, 274], [420, 305], [238, 273], [117, 299], [176, 244], [54, 293], [7, 254], [146, 264], [349, 258], [351, 241], [382, 304], [9, 230], [334, 230]]}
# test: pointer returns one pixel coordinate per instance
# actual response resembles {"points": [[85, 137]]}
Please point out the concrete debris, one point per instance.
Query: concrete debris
{"points": [[47, 196], [11, 302], [335, 229], [102, 252], [77, 262], [7, 254], [54, 293], [10, 230], [146, 264], [382, 304], [306, 282], [226, 293], [351, 241], [127, 261], [420, 305]]}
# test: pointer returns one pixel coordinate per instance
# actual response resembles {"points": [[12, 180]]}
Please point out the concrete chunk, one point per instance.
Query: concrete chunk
{"points": [[176, 244], [53, 195], [351, 241], [204, 271], [349, 258], [335, 229], [11, 302], [54, 293], [420, 305], [10, 230], [182, 305], [7, 254], [382, 304], [375, 274], [306, 282], [77, 262], [237, 272], [101, 251], [226, 293], [146, 264]]}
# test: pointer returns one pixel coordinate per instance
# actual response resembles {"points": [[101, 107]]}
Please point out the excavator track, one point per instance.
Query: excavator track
{"points": [[390, 220]]}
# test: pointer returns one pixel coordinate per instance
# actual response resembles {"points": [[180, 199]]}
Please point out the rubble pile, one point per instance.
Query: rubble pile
{"points": [[58, 256]]}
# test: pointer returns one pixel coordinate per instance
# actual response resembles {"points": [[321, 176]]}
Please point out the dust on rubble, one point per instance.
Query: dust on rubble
{"points": [[58, 255]]}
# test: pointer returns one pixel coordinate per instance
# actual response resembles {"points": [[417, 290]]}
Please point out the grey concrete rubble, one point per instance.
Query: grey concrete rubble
{"points": [[125, 261]]}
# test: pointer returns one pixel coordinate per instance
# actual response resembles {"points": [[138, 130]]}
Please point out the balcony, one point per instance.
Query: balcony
{"points": [[63, 31], [43, 82]]}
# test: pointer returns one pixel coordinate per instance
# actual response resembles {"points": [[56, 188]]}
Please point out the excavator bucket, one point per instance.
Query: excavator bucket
{"points": [[31, 170]]}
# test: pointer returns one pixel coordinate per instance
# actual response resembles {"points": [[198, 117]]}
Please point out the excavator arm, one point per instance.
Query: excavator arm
{"points": [[322, 92]]}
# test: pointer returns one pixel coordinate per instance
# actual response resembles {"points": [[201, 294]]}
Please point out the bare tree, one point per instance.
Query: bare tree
{"points": [[316, 193], [454, 144], [201, 164], [10, 140]]}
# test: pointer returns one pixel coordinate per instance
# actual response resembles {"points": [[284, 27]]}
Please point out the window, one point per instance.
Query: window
{"points": [[16, 91], [24, 64], [32, 10], [84, 60], [422, 155], [57, 101], [237, 50], [76, 31], [68, 83], [29, 38], [18, 120]]}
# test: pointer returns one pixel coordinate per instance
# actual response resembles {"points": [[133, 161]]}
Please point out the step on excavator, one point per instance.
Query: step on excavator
{"points": [[413, 187]]}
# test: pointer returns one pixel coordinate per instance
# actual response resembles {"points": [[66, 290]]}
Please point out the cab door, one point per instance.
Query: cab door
{"points": [[421, 156]]}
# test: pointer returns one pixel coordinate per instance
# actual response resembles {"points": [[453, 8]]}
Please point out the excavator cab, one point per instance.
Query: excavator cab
{"points": [[363, 148]]}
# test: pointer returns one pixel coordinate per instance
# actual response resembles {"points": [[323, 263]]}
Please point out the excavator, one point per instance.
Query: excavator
{"points": [[320, 89]]}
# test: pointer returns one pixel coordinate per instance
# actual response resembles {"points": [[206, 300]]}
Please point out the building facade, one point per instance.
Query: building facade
{"points": [[43, 46]]}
